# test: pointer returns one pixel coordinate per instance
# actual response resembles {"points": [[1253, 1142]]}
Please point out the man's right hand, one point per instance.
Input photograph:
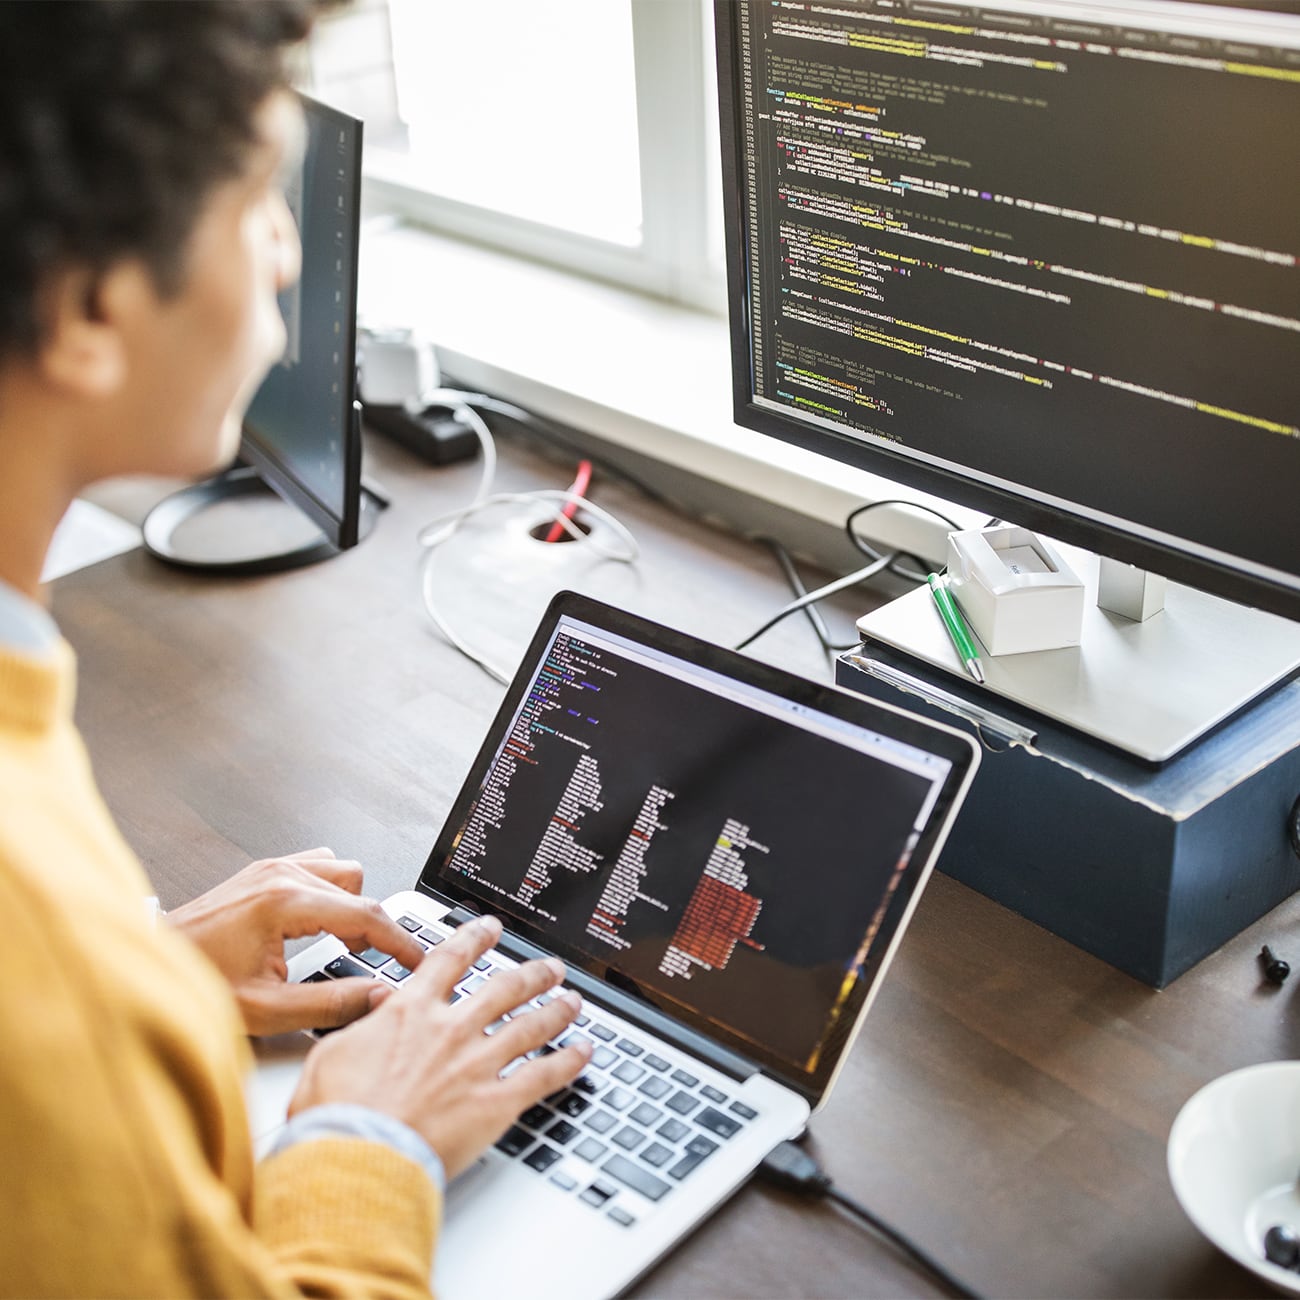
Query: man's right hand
{"points": [[432, 1066]]}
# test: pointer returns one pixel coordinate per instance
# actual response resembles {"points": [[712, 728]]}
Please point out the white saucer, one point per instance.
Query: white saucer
{"points": [[1234, 1161]]}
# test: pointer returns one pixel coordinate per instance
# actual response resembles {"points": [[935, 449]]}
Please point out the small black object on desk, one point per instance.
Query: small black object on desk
{"points": [[1275, 969], [432, 432]]}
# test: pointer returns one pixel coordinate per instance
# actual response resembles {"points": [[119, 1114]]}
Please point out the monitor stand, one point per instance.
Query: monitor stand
{"points": [[235, 523], [1148, 688]]}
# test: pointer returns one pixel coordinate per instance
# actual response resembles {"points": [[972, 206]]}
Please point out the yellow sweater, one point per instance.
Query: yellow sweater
{"points": [[128, 1167]]}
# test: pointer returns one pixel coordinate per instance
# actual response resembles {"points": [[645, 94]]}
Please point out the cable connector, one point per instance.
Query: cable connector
{"points": [[788, 1165]]}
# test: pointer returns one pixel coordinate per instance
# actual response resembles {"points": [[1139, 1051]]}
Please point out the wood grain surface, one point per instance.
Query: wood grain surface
{"points": [[1009, 1100]]}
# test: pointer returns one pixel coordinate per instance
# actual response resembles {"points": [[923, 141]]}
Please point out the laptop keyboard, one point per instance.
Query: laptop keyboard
{"points": [[635, 1119]]}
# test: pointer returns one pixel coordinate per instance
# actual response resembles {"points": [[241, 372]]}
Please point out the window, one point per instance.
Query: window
{"points": [[578, 132]]}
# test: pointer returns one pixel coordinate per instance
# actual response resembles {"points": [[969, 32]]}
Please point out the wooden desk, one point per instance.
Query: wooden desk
{"points": [[1008, 1103]]}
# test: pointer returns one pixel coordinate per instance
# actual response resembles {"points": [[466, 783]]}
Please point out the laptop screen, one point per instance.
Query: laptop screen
{"points": [[736, 845]]}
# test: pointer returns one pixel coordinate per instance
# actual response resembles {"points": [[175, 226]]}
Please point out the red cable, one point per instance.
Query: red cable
{"points": [[581, 481]]}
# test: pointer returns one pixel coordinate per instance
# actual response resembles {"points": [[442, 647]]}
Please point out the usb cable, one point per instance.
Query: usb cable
{"points": [[790, 1167]]}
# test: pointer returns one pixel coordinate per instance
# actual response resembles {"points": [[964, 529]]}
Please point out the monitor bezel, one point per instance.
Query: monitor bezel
{"points": [[342, 529]]}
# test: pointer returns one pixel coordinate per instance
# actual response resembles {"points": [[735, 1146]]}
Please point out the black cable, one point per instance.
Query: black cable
{"points": [[917, 575], [796, 584], [831, 588], [800, 590], [791, 1167]]}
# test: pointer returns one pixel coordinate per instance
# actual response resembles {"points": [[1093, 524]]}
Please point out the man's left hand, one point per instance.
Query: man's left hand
{"points": [[243, 923]]}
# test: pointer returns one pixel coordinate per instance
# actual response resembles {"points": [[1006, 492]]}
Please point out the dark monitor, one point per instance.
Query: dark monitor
{"points": [[301, 434], [1036, 258]]}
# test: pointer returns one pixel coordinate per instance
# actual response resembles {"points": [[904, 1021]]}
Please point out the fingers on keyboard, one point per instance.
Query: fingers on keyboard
{"points": [[532, 1029]]}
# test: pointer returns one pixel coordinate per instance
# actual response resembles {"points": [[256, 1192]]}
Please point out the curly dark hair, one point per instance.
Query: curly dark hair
{"points": [[117, 120]]}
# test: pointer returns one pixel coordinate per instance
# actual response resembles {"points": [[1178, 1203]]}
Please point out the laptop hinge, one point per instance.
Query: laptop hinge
{"points": [[635, 1009]]}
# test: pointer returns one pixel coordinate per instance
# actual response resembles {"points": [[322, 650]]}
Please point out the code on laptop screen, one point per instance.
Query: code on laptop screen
{"points": [[724, 848]]}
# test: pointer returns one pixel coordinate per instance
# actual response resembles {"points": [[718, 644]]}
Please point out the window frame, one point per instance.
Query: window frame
{"points": [[674, 115]]}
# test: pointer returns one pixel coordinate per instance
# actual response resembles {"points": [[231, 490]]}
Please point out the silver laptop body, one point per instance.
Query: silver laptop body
{"points": [[726, 857]]}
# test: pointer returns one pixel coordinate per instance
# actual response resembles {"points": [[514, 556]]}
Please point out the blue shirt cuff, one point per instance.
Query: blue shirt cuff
{"points": [[345, 1119]]}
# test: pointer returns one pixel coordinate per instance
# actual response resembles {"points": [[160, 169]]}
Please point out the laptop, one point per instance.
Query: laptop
{"points": [[725, 856]]}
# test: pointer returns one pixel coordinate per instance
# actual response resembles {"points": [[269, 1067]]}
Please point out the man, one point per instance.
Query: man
{"points": [[143, 241]]}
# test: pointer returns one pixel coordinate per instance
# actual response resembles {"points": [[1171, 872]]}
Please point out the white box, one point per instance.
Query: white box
{"points": [[1015, 591]]}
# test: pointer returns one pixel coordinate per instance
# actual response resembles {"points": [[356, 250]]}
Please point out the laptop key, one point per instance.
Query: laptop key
{"points": [[628, 1046], [657, 1154], [621, 1216], [598, 1193], [345, 968], [600, 1121], [602, 1056], [408, 923], [646, 1114], [682, 1102], [655, 1087], [657, 1062], [396, 971], [745, 1112], [638, 1179], [628, 1072], [585, 1083], [618, 1099], [563, 1181], [541, 1157], [716, 1122], [562, 1132], [603, 1032], [431, 936], [317, 977], [514, 1141], [698, 1150], [590, 1149], [537, 1117], [373, 957], [571, 1104], [673, 1131], [712, 1094], [686, 1080], [628, 1138]]}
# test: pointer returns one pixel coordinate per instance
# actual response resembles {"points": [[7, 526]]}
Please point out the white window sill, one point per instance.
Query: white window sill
{"points": [[633, 370]]}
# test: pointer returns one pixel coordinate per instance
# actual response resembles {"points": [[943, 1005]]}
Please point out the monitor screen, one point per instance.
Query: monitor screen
{"points": [[301, 431], [1038, 258]]}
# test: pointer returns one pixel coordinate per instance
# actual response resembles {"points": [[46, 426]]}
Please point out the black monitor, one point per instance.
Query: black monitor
{"points": [[301, 434], [1036, 258]]}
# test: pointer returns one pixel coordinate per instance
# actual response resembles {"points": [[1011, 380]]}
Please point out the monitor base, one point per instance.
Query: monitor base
{"points": [[235, 523], [1148, 688]]}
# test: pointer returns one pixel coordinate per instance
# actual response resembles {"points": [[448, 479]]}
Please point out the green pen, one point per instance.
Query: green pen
{"points": [[958, 633]]}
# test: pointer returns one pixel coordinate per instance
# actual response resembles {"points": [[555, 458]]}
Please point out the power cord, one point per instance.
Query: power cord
{"points": [[921, 571], [811, 613], [840, 584], [791, 1167], [552, 434], [440, 530], [880, 563]]}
